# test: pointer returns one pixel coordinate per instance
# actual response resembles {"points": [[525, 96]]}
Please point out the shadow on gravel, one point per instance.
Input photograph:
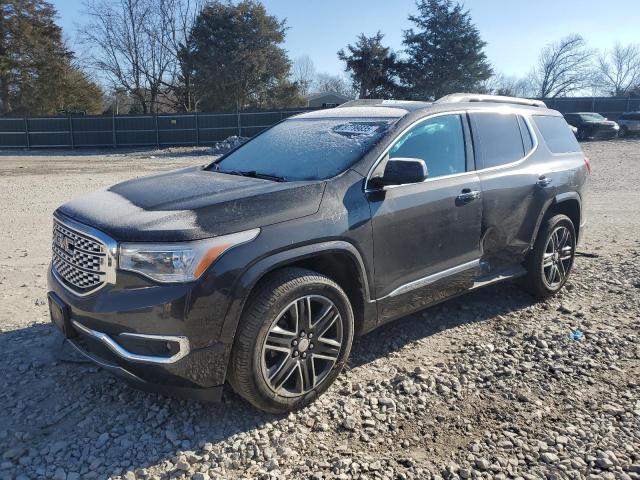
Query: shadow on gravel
{"points": [[477, 306], [75, 416]]}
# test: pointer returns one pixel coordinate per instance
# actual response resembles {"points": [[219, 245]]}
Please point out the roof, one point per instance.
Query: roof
{"points": [[407, 105], [376, 108], [356, 112]]}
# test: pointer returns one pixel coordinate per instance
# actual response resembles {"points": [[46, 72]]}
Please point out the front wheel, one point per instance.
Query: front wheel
{"points": [[551, 260], [583, 134], [623, 132], [292, 342]]}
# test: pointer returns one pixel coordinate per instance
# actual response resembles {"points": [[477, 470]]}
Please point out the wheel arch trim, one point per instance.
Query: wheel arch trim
{"points": [[250, 277], [556, 200]]}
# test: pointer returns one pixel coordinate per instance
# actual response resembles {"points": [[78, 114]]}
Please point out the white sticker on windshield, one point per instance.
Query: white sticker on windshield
{"points": [[356, 129]]}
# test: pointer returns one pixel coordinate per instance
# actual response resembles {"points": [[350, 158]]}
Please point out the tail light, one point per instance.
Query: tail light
{"points": [[587, 163]]}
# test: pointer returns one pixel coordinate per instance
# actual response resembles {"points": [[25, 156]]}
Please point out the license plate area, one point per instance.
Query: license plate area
{"points": [[60, 315]]}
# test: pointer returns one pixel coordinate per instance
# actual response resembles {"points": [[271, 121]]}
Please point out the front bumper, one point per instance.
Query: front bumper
{"points": [[158, 338], [211, 394]]}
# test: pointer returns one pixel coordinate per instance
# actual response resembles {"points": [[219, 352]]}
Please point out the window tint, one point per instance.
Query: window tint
{"points": [[438, 141], [527, 140], [497, 139], [307, 149], [557, 134]]}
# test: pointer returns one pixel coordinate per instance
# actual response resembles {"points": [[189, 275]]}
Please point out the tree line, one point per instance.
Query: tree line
{"points": [[197, 55]]}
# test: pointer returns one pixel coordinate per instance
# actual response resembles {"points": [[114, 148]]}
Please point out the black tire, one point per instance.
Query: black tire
{"points": [[623, 132], [276, 300], [582, 134], [537, 281]]}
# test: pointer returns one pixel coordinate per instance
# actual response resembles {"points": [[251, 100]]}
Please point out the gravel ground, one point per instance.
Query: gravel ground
{"points": [[489, 385]]}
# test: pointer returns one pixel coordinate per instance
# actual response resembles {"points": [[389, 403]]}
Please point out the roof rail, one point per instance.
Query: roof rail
{"points": [[476, 97]]}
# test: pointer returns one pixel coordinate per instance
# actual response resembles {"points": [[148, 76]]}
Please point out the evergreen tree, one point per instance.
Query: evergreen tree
{"points": [[446, 53], [372, 67], [236, 57], [37, 75]]}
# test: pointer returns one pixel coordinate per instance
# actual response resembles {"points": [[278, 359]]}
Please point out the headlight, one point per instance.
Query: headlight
{"points": [[178, 262]]}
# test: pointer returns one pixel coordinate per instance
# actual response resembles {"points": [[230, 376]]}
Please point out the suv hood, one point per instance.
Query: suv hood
{"points": [[191, 204]]}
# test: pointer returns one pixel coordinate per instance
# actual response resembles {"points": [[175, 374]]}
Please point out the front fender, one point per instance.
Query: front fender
{"points": [[248, 280]]}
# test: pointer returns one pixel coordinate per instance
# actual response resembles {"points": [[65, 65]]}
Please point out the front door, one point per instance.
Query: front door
{"points": [[427, 235]]}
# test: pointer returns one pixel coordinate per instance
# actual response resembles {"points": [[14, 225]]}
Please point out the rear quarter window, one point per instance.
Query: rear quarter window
{"points": [[556, 134]]}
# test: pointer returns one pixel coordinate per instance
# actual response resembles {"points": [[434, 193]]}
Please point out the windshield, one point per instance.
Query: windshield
{"points": [[591, 117], [306, 149]]}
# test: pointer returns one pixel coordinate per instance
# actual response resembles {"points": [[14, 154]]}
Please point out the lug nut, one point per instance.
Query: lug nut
{"points": [[304, 355], [302, 334], [310, 335], [310, 346], [295, 353], [295, 342]]}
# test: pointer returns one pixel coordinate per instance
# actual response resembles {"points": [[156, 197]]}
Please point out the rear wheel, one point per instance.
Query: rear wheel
{"points": [[294, 338], [549, 263]]}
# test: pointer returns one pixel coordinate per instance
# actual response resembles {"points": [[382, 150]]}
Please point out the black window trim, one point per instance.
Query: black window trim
{"points": [[468, 142], [528, 123]]}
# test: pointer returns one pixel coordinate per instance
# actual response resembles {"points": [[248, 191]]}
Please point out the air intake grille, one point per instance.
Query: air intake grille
{"points": [[80, 261]]}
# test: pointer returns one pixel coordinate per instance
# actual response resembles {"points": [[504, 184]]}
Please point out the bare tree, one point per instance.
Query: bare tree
{"points": [[563, 67], [500, 84], [177, 18], [303, 73], [334, 83], [619, 69], [128, 45]]}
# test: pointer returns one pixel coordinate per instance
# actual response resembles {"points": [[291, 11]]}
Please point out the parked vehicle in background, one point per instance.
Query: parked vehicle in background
{"points": [[592, 125], [629, 124], [261, 267]]}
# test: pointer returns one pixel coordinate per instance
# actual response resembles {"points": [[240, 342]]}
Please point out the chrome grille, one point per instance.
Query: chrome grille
{"points": [[79, 260]]}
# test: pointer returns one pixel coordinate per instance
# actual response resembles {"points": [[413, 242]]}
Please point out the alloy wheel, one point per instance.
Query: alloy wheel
{"points": [[558, 257], [302, 345]]}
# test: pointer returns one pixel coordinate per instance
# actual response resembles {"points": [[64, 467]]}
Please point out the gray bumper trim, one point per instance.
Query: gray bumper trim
{"points": [[115, 347]]}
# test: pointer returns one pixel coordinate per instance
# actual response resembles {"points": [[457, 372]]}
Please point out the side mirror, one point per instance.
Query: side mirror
{"points": [[400, 171]]}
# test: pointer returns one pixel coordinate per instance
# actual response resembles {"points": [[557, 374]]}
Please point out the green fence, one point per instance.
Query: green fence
{"points": [[610, 107], [134, 130]]}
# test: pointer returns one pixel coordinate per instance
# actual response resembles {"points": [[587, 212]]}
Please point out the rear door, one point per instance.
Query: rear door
{"points": [[427, 235], [516, 185]]}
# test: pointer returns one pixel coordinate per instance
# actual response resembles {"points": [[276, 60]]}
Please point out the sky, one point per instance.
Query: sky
{"points": [[515, 30]]}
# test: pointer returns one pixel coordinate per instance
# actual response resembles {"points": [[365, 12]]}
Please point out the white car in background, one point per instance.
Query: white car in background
{"points": [[629, 124]]}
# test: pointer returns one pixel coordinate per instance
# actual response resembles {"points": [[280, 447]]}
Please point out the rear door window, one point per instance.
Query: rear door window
{"points": [[556, 134], [497, 139]]}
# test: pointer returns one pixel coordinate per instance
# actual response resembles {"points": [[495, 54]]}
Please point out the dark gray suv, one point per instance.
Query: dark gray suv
{"points": [[260, 268]]}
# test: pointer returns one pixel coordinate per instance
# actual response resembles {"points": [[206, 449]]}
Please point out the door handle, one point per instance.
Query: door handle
{"points": [[543, 181], [468, 195]]}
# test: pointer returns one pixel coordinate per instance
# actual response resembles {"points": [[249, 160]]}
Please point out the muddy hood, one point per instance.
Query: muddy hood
{"points": [[191, 204]]}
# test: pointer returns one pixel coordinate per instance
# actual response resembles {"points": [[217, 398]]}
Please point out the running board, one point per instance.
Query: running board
{"points": [[499, 276]]}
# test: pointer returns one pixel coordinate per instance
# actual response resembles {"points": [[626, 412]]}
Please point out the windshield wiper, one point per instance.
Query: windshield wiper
{"points": [[252, 174]]}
